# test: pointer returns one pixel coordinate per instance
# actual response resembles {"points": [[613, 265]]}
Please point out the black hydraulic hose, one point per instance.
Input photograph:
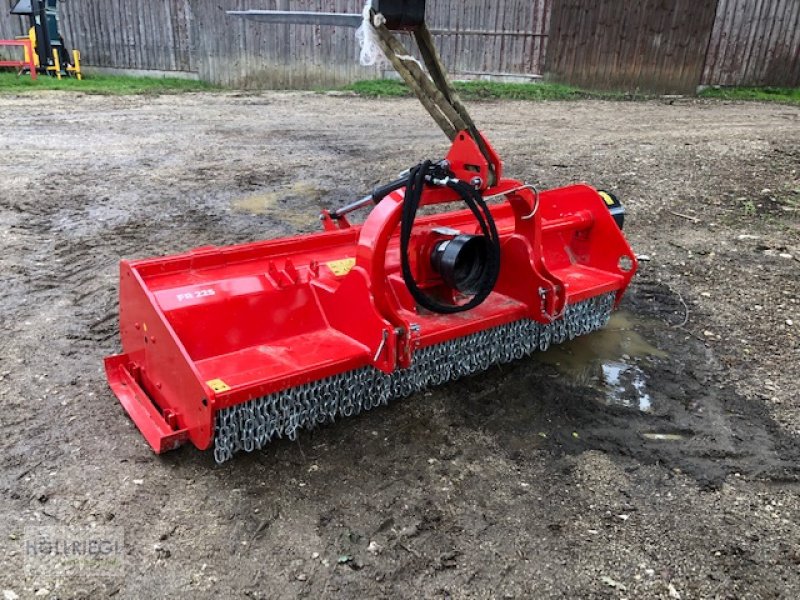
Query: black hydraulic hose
{"points": [[475, 202]]}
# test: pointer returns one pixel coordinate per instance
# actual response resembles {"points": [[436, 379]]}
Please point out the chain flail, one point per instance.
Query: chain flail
{"points": [[251, 425]]}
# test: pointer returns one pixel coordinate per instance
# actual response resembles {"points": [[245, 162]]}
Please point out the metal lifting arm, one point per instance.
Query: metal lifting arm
{"points": [[433, 89]]}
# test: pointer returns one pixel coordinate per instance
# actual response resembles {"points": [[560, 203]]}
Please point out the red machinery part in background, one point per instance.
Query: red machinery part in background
{"points": [[29, 58]]}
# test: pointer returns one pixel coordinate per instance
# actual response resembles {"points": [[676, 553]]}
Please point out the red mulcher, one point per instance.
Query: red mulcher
{"points": [[240, 345]]}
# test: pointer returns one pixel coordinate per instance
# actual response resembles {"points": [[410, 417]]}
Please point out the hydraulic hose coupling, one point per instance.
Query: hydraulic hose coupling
{"points": [[461, 261]]}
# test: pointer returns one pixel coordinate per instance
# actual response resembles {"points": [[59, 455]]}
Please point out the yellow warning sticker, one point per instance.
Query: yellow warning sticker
{"points": [[341, 267], [607, 197], [218, 385]]}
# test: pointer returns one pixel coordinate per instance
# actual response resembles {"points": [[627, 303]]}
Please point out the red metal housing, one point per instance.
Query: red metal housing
{"points": [[214, 327]]}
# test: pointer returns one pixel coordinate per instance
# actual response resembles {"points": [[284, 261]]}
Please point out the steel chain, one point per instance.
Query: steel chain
{"points": [[252, 425]]}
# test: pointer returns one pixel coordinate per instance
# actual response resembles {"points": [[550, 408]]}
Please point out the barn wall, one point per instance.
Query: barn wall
{"points": [[130, 34], [648, 45], [10, 28], [645, 45], [503, 37], [243, 53], [474, 36], [122, 34], [755, 42]]}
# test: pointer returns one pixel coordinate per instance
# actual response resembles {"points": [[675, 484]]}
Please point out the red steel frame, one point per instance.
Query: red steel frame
{"points": [[27, 46], [216, 327]]}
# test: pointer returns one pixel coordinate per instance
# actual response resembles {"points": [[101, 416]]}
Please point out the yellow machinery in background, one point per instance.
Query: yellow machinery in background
{"points": [[55, 66], [50, 53]]}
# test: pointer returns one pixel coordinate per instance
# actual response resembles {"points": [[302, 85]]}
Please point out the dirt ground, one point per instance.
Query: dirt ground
{"points": [[541, 479]]}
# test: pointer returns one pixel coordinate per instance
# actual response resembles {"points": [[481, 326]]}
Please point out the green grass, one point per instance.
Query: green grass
{"points": [[489, 90], [101, 84], [375, 88], [763, 94], [484, 90]]}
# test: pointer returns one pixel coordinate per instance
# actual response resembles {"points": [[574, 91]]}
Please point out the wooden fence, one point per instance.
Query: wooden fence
{"points": [[674, 46], [755, 42], [131, 34], [474, 37], [122, 34], [242, 53], [650, 45]]}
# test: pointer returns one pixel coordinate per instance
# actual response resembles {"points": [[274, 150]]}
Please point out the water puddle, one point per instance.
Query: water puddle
{"points": [[664, 437], [300, 213], [620, 379], [605, 360]]}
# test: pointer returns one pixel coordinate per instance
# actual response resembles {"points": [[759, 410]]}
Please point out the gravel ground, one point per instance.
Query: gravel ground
{"points": [[541, 479]]}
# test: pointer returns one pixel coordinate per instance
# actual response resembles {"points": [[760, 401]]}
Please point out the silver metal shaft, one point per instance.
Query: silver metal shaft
{"points": [[289, 17], [348, 208]]}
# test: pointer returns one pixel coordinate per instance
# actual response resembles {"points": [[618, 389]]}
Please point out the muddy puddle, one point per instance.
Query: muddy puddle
{"points": [[607, 360], [618, 392], [273, 203]]}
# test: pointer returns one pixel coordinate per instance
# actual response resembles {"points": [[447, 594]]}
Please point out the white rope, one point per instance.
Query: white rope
{"points": [[371, 53], [409, 58]]}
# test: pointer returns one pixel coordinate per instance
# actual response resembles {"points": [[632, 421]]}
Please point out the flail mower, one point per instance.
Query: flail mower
{"points": [[234, 347]]}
